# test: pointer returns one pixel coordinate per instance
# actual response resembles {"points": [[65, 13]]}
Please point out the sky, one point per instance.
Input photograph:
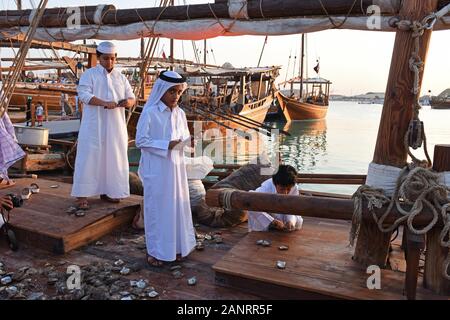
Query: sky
{"points": [[355, 61]]}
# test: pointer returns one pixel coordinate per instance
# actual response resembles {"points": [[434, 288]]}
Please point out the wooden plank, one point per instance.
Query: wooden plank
{"points": [[43, 221], [318, 262], [98, 229]]}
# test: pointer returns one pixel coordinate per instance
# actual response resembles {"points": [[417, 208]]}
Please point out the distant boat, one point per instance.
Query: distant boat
{"points": [[442, 101], [311, 103]]}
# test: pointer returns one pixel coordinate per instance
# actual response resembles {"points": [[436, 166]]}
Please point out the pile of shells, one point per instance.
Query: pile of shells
{"points": [[208, 238], [99, 281]]}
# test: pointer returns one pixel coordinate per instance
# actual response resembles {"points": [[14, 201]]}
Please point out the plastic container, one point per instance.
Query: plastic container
{"points": [[31, 135]]}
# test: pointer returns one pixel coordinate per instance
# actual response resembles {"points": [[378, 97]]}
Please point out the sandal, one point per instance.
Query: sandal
{"points": [[34, 188], [25, 194], [106, 198], [5, 183], [153, 262]]}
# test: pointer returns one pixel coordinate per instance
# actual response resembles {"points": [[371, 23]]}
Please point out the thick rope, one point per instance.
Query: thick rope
{"points": [[227, 194], [417, 188]]}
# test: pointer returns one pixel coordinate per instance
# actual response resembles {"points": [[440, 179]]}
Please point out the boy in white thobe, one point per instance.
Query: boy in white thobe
{"points": [[283, 182], [161, 133], [101, 165]]}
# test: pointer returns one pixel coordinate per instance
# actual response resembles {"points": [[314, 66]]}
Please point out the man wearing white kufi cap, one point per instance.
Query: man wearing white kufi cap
{"points": [[162, 132], [101, 166]]}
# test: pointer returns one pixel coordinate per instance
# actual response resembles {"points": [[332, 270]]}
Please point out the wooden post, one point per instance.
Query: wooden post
{"points": [[436, 254], [415, 243], [243, 85], [372, 245], [46, 110], [260, 85], [92, 60]]}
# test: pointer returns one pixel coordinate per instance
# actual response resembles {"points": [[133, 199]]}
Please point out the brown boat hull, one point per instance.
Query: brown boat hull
{"points": [[295, 110], [440, 104]]}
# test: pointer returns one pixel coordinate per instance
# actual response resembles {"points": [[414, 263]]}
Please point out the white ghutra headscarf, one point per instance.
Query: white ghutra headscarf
{"points": [[165, 81]]}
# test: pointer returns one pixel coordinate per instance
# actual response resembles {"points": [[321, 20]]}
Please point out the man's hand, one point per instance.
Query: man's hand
{"points": [[289, 226], [110, 105], [173, 143], [123, 103], [6, 203], [277, 225]]}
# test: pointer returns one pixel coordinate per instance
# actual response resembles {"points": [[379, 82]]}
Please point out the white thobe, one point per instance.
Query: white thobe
{"points": [[101, 166], [167, 212], [260, 221]]}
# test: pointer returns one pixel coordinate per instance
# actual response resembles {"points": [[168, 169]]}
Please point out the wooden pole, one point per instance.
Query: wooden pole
{"points": [[172, 47], [302, 61], [256, 9], [372, 247], [435, 253], [92, 60], [46, 110], [415, 243], [204, 51], [308, 206]]}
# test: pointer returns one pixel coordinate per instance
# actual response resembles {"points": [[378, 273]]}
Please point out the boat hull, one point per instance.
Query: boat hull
{"points": [[440, 105], [295, 110]]}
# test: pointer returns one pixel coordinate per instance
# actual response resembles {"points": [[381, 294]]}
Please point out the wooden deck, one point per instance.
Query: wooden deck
{"points": [[319, 265], [43, 221]]}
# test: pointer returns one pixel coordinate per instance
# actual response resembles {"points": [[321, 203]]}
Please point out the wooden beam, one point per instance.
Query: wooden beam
{"points": [[308, 206], [31, 68], [71, 64], [372, 246], [36, 44], [436, 254], [256, 10]]}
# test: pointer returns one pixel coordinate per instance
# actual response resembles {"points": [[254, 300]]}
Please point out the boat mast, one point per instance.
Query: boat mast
{"points": [[302, 58], [172, 3], [204, 51]]}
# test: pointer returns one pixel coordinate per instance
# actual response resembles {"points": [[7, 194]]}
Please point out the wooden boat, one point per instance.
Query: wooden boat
{"points": [[310, 102], [312, 106], [48, 94], [240, 99], [442, 101]]}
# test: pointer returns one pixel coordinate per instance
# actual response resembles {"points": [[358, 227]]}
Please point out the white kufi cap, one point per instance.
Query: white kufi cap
{"points": [[107, 47]]}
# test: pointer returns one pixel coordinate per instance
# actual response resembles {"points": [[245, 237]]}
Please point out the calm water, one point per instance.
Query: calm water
{"points": [[342, 143], [345, 141]]}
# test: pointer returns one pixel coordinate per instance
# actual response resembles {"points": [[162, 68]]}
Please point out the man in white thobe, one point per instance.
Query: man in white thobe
{"points": [[162, 133], [101, 166], [283, 182]]}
